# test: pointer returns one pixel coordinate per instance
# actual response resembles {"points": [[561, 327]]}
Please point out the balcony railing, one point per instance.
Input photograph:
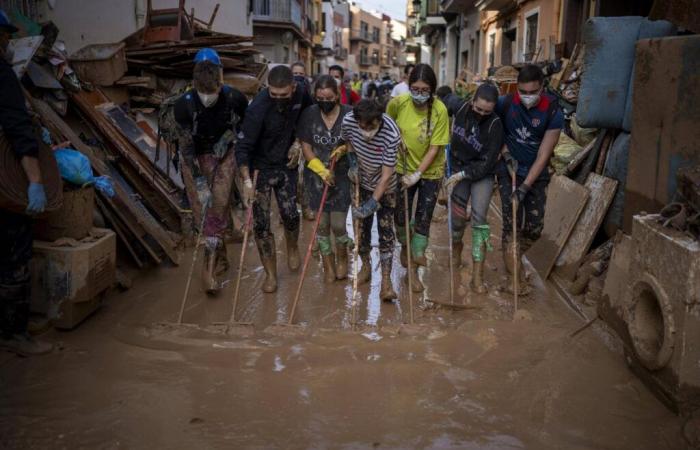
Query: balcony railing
{"points": [[360, 35], [278, 11], [340, 53], [364, 60]]}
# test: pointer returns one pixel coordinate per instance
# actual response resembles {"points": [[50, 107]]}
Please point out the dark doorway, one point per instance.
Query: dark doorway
{"points": [[507, 47]]}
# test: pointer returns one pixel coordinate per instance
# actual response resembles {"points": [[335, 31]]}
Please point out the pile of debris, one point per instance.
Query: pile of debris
{"points": [[684, 214]]}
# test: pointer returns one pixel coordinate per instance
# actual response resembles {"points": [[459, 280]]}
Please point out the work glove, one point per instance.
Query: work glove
{"points": [[520, 193], [353, 175], [339, 152], [454, 179], [294, 155], [409, 180], [322, 171], [511, 163], [248, 193], [37, 198], [366, 209]]}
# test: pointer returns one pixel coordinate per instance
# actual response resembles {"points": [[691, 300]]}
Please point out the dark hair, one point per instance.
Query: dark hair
{"points": [[338, 68], [280, 76], [206, 77], [368, 111], [425, 73], [442, 91], [327, 82], [529, 73], [408, 68], [299, 64], [487, 92]]}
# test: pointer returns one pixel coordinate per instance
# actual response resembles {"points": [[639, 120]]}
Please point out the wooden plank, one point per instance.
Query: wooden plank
{"points": [[565, 202], [602, 190], [123, 236]]}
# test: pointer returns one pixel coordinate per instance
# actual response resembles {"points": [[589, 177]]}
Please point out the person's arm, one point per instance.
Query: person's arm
{"points": [[14, 118], [440, 136], [387, 173], [492, 150], [308, 151], [429, 157], [30, 164], [551, 137]]}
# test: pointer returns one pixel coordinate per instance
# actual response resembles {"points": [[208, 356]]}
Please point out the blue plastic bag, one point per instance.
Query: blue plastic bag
{"points": [[75, 168]]}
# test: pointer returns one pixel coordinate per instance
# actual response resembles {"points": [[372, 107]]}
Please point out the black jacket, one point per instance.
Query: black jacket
{"points": [[453, 102], [207, 125], [266, 133], [476, 143], [14, 118]]}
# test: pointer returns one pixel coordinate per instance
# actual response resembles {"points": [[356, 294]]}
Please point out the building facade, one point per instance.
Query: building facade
{"points": [[366, 37]]}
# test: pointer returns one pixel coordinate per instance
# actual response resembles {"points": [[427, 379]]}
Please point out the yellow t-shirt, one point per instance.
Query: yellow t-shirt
{"points": [[413, 124], [357, 86]]}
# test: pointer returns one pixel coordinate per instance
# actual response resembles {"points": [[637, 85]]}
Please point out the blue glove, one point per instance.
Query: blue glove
{"points": [[365, 210], [37, 198]]}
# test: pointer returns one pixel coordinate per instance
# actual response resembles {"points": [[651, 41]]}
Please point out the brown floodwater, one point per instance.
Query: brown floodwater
{"points": [[475, 379]]}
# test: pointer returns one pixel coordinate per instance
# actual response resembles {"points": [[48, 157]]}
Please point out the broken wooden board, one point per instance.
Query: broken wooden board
{"points": [[602, 190], [22, 51], [565, 202]]}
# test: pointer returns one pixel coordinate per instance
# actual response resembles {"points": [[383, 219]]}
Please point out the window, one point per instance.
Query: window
{"points": [[323, 22], [364, 59], [364, 30], [375, 57], [530, 41], [492, 49], [375, 34]]}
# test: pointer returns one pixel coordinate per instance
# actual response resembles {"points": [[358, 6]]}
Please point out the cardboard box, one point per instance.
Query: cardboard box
{"points": [[665, 122], [70, 271]]}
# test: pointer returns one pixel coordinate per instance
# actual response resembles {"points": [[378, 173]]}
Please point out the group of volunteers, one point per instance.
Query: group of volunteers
{"points": [[370, 156]]}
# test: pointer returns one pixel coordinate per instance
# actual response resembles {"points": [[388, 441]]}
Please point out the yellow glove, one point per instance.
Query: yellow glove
{"points": [[339, 152], [320, 169]]}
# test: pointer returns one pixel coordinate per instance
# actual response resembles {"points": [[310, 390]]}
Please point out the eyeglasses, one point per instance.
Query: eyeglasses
{"points": [[425, 91]]}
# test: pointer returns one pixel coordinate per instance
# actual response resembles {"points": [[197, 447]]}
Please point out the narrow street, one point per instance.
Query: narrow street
{"points": [[470, 379]]}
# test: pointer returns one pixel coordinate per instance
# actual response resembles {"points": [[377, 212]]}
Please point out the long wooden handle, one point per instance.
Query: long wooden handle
{"points": [[355, 254], [516, 266], [246, 233]]}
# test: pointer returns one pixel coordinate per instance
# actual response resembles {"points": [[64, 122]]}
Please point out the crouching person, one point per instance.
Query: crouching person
{"points": [[477, 138], [372, 138], [319, 132]]}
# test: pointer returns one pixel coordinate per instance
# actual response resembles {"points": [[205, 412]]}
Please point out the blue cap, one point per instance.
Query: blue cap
{"points": [[5, 23], [207, 54]]}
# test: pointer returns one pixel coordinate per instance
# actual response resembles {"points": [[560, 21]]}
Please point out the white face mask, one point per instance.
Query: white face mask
{"points": [[368, 135], [530, 100], [208, 99], [339, 81]]}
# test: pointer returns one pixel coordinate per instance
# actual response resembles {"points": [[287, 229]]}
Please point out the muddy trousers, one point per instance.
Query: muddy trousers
{"points": [[530, 214], [220, 176], [332, 221], [284, 184], [15, 253], [385, 224], [427, 192], [480, 193]]}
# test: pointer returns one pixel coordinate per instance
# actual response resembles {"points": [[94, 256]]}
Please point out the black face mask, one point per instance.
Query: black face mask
{"points": [[300, 79], [326, 106], [282, 104]]}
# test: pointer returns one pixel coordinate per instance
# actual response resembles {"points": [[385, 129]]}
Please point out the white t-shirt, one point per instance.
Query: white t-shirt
{"points": [[399, 89]]}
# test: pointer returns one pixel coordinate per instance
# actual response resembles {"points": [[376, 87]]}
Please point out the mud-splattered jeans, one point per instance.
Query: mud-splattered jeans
{"points": [[284, 183], [427, 191], [530, 214], [479, 192], [15, 253], [220, 176], [385, 224]]}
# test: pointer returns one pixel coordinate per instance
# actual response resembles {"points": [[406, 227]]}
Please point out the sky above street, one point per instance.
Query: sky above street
{"points": [[396, 9]]}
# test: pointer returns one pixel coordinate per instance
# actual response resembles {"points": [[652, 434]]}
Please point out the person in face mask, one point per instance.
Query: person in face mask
{"points": [[319, 132], [263, 146], [532, 121], [299, 73], [16, 229], [424, 125], [477, 139], [209, 115], [347, 96], [372, 139]]}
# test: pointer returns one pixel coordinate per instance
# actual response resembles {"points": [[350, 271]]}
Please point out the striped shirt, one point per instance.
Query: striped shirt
{"points": [[372, 155]]}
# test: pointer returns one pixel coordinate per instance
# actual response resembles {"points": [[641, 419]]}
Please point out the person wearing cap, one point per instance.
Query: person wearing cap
{"points": [[16, 229], [209, 115]]}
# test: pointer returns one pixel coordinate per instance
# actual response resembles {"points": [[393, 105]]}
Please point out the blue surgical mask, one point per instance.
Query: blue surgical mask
{"points": [[420, 98]]}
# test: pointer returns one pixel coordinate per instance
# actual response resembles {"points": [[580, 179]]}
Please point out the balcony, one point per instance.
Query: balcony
{"points": [[493, 5], [340, 53], [278, 11], [364, 60], [457, 6], [360, 35]]}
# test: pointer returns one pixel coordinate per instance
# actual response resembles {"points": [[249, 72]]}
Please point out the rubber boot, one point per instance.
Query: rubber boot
{"points": [[387, 293], [417, 285], [365, 272], [477, 283], [419, 243], [328, 268], [209, 282], [292, 239], [308, 213], [403, 256], [457, 247], [268, 257], [221, 265], [341, 259], [509, 250]]}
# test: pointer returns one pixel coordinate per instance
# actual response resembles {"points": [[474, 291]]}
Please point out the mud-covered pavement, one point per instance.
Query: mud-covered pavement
{"points": [[469, 379]]}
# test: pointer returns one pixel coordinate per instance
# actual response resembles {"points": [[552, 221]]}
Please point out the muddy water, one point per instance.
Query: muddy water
{"points": [[467, 380]]}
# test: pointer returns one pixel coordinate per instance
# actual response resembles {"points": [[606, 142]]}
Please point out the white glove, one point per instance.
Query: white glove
{"points": [[409, 180], [248, 193], [453, 180]]}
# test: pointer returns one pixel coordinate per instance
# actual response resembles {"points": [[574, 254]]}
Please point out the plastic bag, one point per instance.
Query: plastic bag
{"points": [[75, 168], [564, 153]]}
